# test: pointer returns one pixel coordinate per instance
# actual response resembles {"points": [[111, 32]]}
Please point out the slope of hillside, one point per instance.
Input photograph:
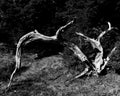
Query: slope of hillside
{"points": [[48, 76]]}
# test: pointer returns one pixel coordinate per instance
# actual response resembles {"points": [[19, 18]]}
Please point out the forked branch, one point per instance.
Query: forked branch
{"points": [[98, 61]]}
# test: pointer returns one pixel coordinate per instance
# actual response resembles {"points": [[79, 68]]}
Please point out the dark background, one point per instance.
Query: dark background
{"points": [[18, 17]]}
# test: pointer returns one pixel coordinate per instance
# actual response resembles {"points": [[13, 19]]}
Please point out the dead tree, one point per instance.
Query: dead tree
{"points": [[97, 65]]}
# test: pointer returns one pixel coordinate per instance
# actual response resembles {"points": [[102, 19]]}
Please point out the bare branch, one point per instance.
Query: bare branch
{"points": [[11, 77], [109, 26], [34, 35], [80, 34], [29, 37], [81, 56], [98, 61], [108, 58], [104, 32], [110, 54], [83, 73], [61, 28], [78, 52], [94, 43]]}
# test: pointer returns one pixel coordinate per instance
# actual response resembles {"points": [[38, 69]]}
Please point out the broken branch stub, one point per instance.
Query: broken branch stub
{"points": [[61, 28], [104, 32]]}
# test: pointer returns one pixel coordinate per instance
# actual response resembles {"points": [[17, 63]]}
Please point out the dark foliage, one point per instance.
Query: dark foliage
{"points": [[18, 17], [44, 48], [115, 59]]}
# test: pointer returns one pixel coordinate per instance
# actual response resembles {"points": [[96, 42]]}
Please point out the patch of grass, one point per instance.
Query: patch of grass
{"points": [[46, 77], [7, 65]]}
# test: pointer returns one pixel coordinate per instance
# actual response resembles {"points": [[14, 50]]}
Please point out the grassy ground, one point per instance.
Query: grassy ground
{"points": [[46, 77]]}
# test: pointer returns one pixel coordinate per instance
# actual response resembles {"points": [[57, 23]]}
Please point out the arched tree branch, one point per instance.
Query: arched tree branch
{"points": [[29, 37]]}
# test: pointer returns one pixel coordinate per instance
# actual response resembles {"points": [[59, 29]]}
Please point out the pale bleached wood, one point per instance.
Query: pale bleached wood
{"points": [[29, 37], [99, 60]]}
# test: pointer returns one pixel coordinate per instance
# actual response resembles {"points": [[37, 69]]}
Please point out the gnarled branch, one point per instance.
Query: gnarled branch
{"points": [[29, 37], [98, 61]]}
